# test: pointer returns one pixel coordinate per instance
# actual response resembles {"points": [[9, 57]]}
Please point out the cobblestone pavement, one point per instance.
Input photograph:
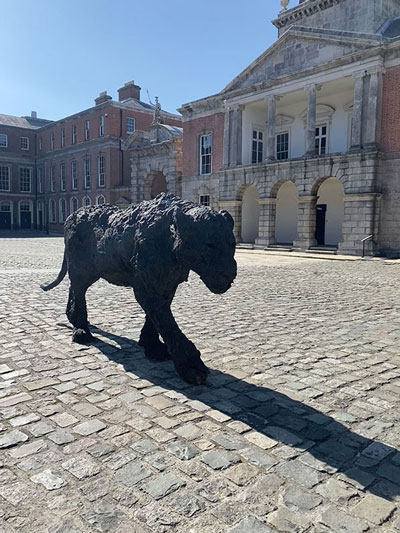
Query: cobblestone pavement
{"points": [[297, 429]]}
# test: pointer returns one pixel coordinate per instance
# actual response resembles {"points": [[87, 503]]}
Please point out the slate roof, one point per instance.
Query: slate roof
{"points": [[23, 122], [143, 106]]}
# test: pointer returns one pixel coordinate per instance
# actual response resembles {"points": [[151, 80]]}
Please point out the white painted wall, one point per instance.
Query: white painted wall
{"points": [[255, 116], [331, 193], [250, 214], [286, 213]]}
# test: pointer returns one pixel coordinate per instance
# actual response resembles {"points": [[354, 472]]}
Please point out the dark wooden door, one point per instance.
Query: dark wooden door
{"points": [[26, 220], [5, 220], [320, 226], [40, 220]]}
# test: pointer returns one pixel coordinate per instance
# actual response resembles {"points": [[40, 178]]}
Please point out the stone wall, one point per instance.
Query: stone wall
{"points": [[348, 15]]}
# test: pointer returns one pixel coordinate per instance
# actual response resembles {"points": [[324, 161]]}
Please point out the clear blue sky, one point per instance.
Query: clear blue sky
{"points": [[57, 55]]}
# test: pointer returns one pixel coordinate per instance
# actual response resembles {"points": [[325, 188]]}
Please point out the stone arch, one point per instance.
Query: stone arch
{"points": [[250, 213], [25, 209], [6, 214], [155, 183], [74, 204], [286, 216], [330, 195], [100, 200]]}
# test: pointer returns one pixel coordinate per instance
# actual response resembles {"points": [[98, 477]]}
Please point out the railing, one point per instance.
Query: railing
{"points": [[363, 243]]}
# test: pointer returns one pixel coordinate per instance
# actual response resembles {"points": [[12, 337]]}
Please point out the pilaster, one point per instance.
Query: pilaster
{"points": [[267, 221], [306, 222]]}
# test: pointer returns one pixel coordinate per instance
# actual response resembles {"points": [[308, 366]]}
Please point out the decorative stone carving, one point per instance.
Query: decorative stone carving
{"points": [[284, 4]]}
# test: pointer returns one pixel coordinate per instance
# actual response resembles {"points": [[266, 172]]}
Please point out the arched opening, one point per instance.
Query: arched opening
{"points": [[286, 213], [158, 184], [330, 213], [250, 214], [5, 215], [25, 215]]}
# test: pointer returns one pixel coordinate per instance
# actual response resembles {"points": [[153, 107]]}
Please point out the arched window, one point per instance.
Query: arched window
{"points": [[5, 207], [74, 205], [52, 211], [63, 210], [100, 200], [87, 201], [101, 171]]}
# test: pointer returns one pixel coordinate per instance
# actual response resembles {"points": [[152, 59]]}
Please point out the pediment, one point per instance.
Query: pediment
{"points": [[298, 51]]}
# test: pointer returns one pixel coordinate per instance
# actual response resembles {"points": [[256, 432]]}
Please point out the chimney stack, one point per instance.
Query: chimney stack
{"points": [[33, 114], [103, 97], [129, 90]]}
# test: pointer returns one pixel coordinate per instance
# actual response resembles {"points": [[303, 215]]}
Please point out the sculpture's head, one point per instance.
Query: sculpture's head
{"points": [[204, 242]]}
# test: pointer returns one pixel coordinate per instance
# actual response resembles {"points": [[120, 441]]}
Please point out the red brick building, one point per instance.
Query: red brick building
{"points": [[49, 169]]}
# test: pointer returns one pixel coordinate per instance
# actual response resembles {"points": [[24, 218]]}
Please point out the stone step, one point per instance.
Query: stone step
{"points": [[322, 250], [245, 246]]}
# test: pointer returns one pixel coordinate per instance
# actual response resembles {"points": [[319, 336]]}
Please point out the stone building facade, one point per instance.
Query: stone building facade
{"points": [[303, 146], [79, 160]]}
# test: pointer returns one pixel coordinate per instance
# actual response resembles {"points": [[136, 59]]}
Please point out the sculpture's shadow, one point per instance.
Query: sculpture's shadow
{"points": [[290, 422]]}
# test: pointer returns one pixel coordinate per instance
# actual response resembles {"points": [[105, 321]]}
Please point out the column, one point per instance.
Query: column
{"points": [[311, 120], [236, 147], [373, 118], [356, 128], [361, 219], [267, 221], [234, 208], [271, 102], [227, 136], [306, 222]]}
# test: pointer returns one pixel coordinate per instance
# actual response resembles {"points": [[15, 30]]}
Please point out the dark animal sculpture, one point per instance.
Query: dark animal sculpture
{"points": [[151, 247]]}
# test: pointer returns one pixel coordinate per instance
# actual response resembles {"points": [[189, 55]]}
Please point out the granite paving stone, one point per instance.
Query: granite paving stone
{"points": [[295, 430]]}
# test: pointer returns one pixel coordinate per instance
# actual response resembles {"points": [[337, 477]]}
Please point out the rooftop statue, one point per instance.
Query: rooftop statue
{"points": [[151, 247]]}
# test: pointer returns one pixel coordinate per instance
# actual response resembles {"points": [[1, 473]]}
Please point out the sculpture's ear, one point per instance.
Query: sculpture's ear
{"points": [[227, 217]]}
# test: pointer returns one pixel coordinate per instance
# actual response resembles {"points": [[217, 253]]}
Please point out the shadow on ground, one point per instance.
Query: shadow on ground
{"points": [[274, 415]]}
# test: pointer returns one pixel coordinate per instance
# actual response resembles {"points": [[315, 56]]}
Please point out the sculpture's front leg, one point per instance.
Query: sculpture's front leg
{"points": [[183, 352]]}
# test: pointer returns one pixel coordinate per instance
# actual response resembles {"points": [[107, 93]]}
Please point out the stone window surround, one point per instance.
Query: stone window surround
{"points": [[3, 140], [24, 143], [74, 175], [52, 211], [200, 135], [101, 173], [74, 204], [5, 179], [62, 212], [25, 179]]}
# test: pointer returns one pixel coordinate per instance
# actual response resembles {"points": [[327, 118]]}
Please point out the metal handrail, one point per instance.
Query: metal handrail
{"points": [[363, 243]]}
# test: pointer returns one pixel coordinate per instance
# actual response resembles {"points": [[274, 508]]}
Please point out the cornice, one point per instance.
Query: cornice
{"points": [[303, 10]]}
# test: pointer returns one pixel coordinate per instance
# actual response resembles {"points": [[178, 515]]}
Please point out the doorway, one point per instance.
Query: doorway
{"points": [[320, 225]]}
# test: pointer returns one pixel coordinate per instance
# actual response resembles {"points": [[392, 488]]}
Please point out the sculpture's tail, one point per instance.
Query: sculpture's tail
{"points": [[59, 278]]}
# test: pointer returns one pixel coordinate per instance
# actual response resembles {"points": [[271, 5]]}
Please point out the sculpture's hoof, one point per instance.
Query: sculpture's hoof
{"points": [[82, 337], [194, 372], [157, 352]]}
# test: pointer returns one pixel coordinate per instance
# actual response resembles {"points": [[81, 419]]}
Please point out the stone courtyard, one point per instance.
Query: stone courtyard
{"points": [[296, 431]]}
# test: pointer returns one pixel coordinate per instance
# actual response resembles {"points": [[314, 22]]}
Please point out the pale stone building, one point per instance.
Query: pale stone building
{"points": [[303, 147], [156, 159]]}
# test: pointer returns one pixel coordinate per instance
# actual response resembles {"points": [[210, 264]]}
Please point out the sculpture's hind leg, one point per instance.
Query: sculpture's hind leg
{"points": [[154, 349], [77, 313]]}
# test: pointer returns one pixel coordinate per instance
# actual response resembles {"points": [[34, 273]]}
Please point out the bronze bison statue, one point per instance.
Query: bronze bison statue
{"points": [[150, 247]]}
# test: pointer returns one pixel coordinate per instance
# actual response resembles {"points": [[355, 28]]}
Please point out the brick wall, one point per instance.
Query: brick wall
{"points": [[191, 131], [391, 110]]}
